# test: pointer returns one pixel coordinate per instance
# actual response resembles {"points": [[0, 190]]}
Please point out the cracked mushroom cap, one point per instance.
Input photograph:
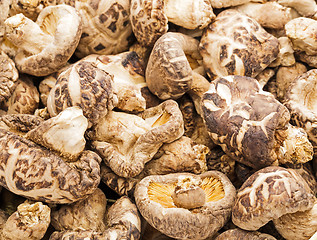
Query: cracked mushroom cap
{"points": [[46, 45], [149, 18], [269, 194], [239, 234], [168, 72], [235, 44], [86, 86], [247, 122], [184, 205]]}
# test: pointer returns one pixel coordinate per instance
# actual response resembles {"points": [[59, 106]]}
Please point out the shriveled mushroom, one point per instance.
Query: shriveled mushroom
{"points": [[306, 8], [237, 234], [184, 205], [46, 45], [265, 76], [286, 54], [29, 222], [235, 44], [126, 141], [149, 18], [86, 86], [269, 194], [250, 125], [4, 13], [311, 60], [123, 222]]}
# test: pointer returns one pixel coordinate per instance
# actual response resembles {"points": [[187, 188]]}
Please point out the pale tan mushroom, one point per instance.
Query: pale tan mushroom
{"points": [[230, 3], [285, 56], [44, 46], [184, 205], [235, 44], [4, 13], [237, 234], [269, 194], [265, 76], [306, 8]]}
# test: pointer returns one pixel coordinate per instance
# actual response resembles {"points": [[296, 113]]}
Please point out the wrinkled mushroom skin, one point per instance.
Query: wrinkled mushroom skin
{"points": [[159, 210], [239, 234], [48, 43], [243, 120], [86, 86], [306, 8], [21, 123], [235, 44], [269, 194]]}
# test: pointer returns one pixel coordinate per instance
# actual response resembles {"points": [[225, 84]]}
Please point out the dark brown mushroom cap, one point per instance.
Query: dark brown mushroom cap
{"points": [[168, 72], [239, 234], [244, 120], [86, 86], [153, 198], [235, 44], [269, 194]]}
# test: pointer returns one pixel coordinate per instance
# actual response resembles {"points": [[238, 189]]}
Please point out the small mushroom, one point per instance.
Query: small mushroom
{"points": [[184, 205], [150, 19], [236, 234], [126, 141], [235, 44], [269, 194], [86, 86], [46, 45]]}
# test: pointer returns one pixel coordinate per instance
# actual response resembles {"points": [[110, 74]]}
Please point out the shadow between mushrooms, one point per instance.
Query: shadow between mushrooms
{"points": [[184, 205]]}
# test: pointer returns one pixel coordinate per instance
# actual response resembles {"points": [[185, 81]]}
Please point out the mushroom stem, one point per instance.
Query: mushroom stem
{"points": [[26, 34]]}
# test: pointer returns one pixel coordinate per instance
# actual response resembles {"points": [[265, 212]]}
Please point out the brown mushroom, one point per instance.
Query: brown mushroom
{"points": [[230, 3], [269, 194], [184, 205], [126, 141], [239, 234], [250, 125], [235, 44], [46, 45]]}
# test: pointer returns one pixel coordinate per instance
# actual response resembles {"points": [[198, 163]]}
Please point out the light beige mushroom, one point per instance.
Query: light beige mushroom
{"points": [[150, 19], [265, 76], [29, 222], [306, 8], [230, 3], [126, 141], [184, 205], [285, 56], [46, 45], [86, 86], [235, 44], [269, 194], [4, 13], [236, 234]]}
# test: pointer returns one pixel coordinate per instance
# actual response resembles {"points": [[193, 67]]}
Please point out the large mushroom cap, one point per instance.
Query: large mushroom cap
{"points": [[269, 194], [184, 205], [235, 44]]}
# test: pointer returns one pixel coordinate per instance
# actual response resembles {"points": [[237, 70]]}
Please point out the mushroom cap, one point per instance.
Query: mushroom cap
{"points": [[168, 72], [269, 194], [64, 25], [227, 3], [239, 234], [244, 120], [235, 44], [153, 199]]}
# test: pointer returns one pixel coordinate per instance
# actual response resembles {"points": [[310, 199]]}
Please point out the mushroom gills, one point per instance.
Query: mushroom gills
{"points": [[159, 121]]}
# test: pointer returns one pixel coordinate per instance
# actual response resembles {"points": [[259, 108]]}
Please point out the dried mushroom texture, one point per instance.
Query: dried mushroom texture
{"points": [[306, 8], [8, 77], [106, 26], [184, 205], [128, 78], [239, 234], [123, 222], [126, 141], [20, 123], [310, 60], [269, 194], [300, 225], [286, 55], [235, 44], [230, 3], [86, 86], [45, 87], [87, 214], [4, 13], [302, 32], [149, 18], [44, 46], [29, 222]]}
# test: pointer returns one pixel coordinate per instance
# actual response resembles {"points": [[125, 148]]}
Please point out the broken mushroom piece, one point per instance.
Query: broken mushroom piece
{"points": [[236, 234], [250, 125], [46, 45], [86, 86], [269, 194], [126, 141], [235, 44], [150, 19], [29, 222], [184, 205]]}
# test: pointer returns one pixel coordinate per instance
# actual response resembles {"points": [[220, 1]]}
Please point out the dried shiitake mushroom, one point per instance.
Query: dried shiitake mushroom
{"points": [[235, 44], [239, 234], [184, 205], [149, 18], [269, 194], [86, 86], [250, 125], [230, 3], [285, 56], [127, 141], [306, 8], [46, 45]]}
